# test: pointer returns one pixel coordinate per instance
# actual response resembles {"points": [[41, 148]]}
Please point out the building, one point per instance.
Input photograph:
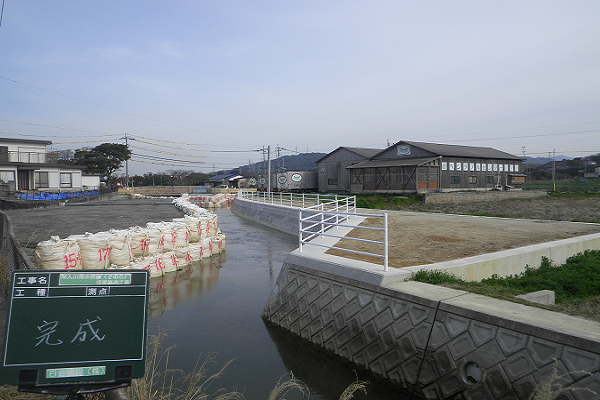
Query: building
{"points": [[333, 173], [24, 166], [416, 167]]}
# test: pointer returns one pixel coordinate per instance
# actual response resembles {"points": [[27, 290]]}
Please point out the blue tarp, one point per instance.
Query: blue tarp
{"points": [[56, 196]]}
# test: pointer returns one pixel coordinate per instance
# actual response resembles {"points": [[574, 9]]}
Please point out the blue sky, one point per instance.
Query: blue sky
{"points": [[206, 78]]}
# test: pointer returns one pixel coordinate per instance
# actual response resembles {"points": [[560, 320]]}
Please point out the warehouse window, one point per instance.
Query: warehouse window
{"points": [[41, 180], [472, 179], [455, 179], [517, 168], [489, 179], [333, 181]]}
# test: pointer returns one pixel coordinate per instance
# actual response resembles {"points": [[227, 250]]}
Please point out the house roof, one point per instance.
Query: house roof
{"points": [[451, 150], [361, 151], [393, 163], [230, 177], [27, 141]]}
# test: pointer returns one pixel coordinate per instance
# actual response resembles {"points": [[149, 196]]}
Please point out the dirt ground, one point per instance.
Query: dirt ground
{"points": [[425, 238]]}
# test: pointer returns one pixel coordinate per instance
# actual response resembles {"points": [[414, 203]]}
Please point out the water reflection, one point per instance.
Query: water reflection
{"points": [[184, 286], [326, 374]]}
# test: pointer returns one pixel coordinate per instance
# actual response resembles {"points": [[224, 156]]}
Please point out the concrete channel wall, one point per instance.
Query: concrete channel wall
{"points": [[437, 342]]}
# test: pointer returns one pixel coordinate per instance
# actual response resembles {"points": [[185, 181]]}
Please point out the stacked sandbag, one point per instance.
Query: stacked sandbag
{"points": [[95, 250], [140, 241], [58, 254], [218, 243], [121, 253], [159, 247], [160, 237], [193, 225]]}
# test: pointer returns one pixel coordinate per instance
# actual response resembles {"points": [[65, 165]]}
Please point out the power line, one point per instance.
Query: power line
{"points": [[121, 111]]}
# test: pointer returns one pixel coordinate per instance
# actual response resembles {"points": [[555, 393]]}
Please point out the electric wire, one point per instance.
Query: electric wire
{"points": [[121, 111]]}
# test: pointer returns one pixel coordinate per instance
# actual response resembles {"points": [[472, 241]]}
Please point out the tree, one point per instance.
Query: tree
{"points": [[104, 159]]}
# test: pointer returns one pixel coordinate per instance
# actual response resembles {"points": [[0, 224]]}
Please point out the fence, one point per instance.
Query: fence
{"points": [[303, 200], [319, 213], [318, 224], [12, 255]]}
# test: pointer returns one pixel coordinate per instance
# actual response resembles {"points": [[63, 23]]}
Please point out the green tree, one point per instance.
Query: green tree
{"points": [[104, 159]]}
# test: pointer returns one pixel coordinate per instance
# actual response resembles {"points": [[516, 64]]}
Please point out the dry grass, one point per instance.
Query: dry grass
{"points": [[560, 207]]}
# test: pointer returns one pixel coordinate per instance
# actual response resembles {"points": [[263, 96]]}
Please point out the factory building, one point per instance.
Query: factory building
{"points": [[416, 167], [333, 173]]}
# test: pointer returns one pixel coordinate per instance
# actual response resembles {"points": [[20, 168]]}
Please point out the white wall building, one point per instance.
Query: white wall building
{"points": [[24, 166]]}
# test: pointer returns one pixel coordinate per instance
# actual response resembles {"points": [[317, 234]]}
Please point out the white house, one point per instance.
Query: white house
{"points": [[24, 166]]}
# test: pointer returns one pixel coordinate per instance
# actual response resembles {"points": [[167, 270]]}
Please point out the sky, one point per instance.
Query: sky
{"points": [[206, 85]]}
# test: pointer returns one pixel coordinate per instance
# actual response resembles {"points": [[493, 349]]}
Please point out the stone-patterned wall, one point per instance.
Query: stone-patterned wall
{"points": [[421, 340]]}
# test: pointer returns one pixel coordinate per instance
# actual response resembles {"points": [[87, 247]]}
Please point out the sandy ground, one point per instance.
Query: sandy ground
{"points": [[426, 238]]}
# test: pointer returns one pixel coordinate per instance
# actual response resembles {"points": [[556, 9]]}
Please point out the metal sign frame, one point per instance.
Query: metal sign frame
{"points": [[75, 331]]}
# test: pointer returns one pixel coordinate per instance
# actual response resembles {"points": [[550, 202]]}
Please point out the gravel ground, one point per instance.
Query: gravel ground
{"points": [[36, 225], [426, 238]]}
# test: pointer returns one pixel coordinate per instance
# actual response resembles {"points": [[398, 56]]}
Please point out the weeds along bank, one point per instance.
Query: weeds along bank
{"points": [[158, 247]]}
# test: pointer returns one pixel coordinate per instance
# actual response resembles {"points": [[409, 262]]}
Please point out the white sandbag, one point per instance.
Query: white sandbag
{"points": [[218, 242], [185, 255], [140, 241], [158, 237], [121, 253], [171, 262], [192, 225], [207, 247], [154, 264], [213, 221], [58, 254], [95, 251], [180, 235]]}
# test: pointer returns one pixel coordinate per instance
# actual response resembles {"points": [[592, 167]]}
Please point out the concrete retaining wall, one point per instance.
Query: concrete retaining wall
{"points": [[436, 342], [282, 218], [469, 197]]}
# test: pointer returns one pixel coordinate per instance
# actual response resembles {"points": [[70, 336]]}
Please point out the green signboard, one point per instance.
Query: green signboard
{"points": [[75, 328]]}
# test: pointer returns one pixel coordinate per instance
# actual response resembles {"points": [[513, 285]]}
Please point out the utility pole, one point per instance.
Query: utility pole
{"points": [[126, 163], [269, 169], [554, 170], [278, 161]]}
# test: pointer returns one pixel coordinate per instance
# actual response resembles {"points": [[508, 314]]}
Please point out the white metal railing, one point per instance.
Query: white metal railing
{"points": [[319, 213], [303, 200], [316, 222]]}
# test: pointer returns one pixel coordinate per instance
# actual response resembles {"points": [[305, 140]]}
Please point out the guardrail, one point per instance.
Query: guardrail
{"points": [[314, 222], [302, 200]]}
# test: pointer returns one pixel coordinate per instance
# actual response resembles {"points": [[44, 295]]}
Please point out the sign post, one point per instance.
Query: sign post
{"points": [[73, 332]]}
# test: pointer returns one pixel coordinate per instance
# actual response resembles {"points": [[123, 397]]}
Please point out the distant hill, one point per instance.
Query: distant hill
{"points": [[298, 162], [544, 160]]}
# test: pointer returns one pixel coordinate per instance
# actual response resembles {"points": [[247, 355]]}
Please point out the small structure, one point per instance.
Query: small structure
{"points": [[24, 166], [226, 181], [409, 167]]}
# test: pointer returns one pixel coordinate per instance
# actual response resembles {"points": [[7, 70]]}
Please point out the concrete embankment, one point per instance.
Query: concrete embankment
{"points": [[437, 342]]}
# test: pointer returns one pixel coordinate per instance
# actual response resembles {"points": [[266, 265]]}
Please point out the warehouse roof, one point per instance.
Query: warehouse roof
{"points": [[393, 163], [361, 151], [451, 150]]}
